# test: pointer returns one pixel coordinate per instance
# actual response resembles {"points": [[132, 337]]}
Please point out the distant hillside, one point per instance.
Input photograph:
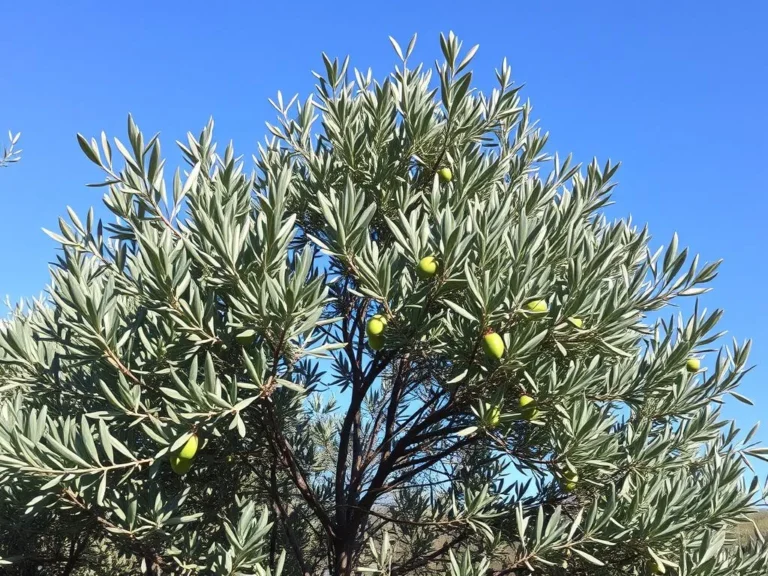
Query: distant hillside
{"points": [[746, 531]]}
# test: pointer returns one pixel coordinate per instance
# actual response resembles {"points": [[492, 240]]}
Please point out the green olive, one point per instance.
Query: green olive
{"points": [[493, 345], [427, 268], [537, 306]]}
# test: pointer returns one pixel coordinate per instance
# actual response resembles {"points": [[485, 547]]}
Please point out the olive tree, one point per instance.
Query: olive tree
{"points": [[408, 342]]}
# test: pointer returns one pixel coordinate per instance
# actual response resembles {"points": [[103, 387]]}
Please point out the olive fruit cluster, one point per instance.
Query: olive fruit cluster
{"points": [[568, 480], [375, 331]]}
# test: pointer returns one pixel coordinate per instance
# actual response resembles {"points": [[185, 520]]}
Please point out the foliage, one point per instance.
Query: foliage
{"points": [[10, 153], [233, 307]]}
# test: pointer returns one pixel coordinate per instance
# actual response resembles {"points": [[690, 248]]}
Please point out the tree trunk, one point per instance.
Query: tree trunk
{"points": [[75, 550], [345, 552]]}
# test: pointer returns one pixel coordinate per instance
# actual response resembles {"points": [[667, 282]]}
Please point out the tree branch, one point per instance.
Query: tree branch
{"points": [[113, 531], [282, 514], [75, 550], [284, 451]]}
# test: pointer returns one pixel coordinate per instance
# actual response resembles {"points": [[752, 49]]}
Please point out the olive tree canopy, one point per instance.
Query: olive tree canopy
{"points": [[408, 342]]}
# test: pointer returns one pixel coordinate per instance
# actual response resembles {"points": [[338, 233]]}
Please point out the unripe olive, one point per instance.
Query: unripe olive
{"points": [[189, 449], [375, 326], [376, 341], [180, 465], [537, 306], [493, 345], [246, 337], [528, 407], [525, 401], [576, 322], [570, 475], [655, 567], [569, 480], [693, 365], [427, 268], [493, 417], [181, 459], [445, 174]]}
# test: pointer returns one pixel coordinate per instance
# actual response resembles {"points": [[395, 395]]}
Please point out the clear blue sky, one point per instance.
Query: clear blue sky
{"points": [[675, 90]]}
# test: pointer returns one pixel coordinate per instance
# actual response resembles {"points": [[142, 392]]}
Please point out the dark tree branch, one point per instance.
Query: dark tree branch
{"points": [[426, 463], [394, 403], [75, 551], [349, 419], [412, 418], [275, 497], [284, 452], [399, 451], [279, 508]]}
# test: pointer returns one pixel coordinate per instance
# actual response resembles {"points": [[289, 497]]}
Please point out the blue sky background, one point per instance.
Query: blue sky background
{"points": [[675, 90]]}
